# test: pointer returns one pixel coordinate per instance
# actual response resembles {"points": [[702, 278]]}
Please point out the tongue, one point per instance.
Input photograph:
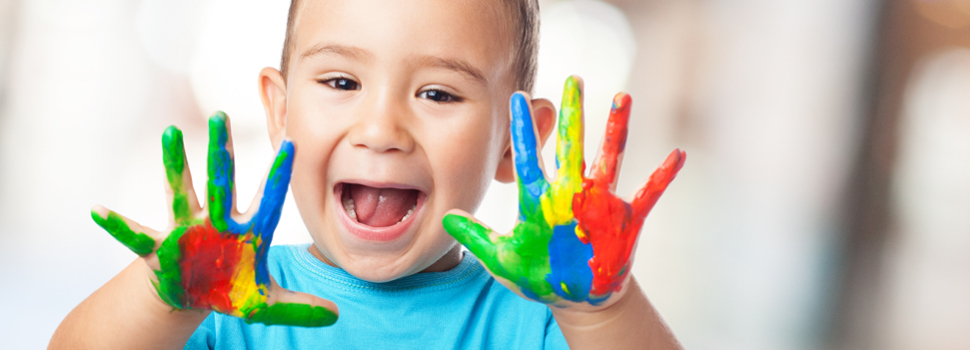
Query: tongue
{"points": [[380, 207]]}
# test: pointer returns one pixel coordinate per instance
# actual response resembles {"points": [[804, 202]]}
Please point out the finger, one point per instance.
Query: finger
{"points": [[610, 156], [525, 149], [220, 188], [182, 198], [650, 193], [274, 192], [569, 144], [126, 231], [271, 206], [569, 155], [470, 233], [295, 309]]}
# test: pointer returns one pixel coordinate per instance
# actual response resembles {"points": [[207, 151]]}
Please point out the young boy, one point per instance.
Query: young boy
{"points": [[399, 111]]}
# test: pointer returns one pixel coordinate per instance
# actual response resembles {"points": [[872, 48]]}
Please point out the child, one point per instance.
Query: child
{"points": [[399, 113]]}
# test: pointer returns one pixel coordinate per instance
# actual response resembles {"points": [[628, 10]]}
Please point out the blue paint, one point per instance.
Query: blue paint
{"points": [[271, 206], [569, 261], [532, 183], [221, 177]]}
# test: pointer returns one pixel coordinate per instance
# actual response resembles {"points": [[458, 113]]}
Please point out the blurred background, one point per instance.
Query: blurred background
{"points": [[825, 203]]}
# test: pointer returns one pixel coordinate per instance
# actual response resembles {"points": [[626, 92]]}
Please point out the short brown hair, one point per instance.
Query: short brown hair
{"points": [[525, 44]]}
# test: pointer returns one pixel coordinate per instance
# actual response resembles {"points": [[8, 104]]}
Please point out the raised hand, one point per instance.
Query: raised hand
{"points": [[208, 260], [574, 237]]}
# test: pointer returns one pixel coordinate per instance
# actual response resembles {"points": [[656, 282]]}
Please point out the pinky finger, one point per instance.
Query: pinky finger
{"points": [[295, 309], [650, 193], [126, 231]]}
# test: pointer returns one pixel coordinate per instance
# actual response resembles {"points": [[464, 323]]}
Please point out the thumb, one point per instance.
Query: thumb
{"points": [[469, 232], [137, 238], [286, 307]]}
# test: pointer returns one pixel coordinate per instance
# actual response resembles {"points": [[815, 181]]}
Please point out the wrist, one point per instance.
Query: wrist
{"points": [[587, 315], [149, 299], [126, 313], [628, 322]]}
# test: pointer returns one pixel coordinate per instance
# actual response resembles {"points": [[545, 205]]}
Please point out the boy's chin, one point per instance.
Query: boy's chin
{"points": [[380, 254], [383, 265], [379, 269]]}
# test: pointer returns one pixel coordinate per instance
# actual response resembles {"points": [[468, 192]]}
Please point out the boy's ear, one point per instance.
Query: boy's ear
{"points": [[543, 114], [272, 90]]}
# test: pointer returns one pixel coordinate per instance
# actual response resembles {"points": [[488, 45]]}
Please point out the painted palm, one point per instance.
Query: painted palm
{"points": [[209, 260], [574, 237]]}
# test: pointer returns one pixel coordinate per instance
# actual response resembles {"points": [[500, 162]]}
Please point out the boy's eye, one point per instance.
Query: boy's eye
{"points": [[438, 96], [342, 84]]}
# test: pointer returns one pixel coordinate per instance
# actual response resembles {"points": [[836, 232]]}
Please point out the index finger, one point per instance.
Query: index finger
{"points": [[525, 149], [183, 202]]}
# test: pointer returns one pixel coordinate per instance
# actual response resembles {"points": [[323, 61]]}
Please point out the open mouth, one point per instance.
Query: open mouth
{"points": [[378, 207], [378, 213]]}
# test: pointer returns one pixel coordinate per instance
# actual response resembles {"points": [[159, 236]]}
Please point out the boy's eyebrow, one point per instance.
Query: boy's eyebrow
{"points": [[340, 50], [454, 64]]}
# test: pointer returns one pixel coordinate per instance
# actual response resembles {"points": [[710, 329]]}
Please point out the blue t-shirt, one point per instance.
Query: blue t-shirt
{"points": [[463, 308]]}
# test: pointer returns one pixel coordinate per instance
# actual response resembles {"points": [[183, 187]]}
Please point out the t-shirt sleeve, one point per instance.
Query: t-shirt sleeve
{"points": [[205, 336], [554, 338]]}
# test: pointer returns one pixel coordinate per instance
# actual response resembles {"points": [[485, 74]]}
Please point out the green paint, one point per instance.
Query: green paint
{"points": [[522, 257], [277, 163], [292, 314], [138, 242], [175, 267], [173, 154], [220, 167], [169, 285]]}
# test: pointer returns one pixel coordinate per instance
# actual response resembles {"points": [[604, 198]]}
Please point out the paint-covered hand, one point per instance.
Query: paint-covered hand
{"points": [[208, 260], [574, 237]]}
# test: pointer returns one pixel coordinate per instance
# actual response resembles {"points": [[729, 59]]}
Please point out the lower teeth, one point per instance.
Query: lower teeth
{"points": [[410, 211], [351, 209]]}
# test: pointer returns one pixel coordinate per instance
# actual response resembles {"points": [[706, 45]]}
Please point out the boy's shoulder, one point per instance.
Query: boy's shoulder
{"points": [[460, 308]]}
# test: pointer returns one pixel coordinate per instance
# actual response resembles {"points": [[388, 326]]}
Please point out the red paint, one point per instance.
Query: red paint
{"points": [[614, 142], [208, 263], [650, 193], [606, 221], [611, 225]]}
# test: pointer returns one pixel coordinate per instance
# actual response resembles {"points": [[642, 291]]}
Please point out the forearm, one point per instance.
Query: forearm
{"points": [[126, 313], [630, 323]]}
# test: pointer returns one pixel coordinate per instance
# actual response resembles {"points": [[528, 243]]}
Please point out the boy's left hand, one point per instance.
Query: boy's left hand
{"points": [[574, 238]]}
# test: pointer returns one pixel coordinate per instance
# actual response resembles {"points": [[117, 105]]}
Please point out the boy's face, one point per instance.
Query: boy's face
{"points": [[398, 110]]}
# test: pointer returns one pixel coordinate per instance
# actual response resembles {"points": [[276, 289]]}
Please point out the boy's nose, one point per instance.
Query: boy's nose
{"points": [[382, 129]]}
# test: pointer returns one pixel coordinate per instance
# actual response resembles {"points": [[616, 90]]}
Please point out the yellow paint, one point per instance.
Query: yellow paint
{"points": [[557, 203], [581, 235], [245, 291]]}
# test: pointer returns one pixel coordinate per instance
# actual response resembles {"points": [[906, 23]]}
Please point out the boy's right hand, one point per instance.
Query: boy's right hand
{"points": [[208, 260]]}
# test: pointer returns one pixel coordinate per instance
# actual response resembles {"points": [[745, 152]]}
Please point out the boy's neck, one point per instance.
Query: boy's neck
{"points": [[450, 260]]}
